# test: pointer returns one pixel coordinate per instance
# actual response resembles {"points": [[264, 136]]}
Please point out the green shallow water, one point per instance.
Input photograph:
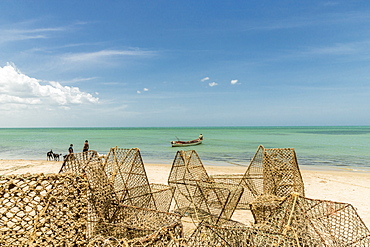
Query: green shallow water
{"points": [[336, 147]]}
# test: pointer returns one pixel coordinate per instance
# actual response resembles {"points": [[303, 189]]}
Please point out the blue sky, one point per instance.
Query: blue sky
{"points": [[184, 63]]}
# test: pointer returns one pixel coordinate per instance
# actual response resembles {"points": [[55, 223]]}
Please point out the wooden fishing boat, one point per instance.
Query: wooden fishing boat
{"points": [[186, 143], [194, 142]]}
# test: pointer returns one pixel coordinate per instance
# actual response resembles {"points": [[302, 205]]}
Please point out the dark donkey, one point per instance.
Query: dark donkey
{"points": [[50, 155], [57, 156]]}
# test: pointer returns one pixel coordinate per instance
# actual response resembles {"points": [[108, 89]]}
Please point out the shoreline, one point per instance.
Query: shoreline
{"points": [[237, 167], [334, 185]]}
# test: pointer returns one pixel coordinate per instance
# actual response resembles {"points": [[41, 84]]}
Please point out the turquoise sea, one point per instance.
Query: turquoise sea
{"points": [[317, 147]]}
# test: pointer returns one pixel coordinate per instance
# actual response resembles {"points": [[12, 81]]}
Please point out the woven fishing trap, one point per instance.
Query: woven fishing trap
{"points": [[235, 234], [132, 226], [273, 171], [43, 210], [252, 180], [281, 172], [293, 221], [197, 195], [122, 204], [312, 222], [108, 201], [123, 171]]}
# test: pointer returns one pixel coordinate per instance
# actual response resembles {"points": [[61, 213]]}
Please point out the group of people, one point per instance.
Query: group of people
{"points": [[85, 148]]}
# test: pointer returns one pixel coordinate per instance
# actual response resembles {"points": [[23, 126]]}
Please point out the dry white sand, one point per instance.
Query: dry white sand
{"points": [[338, 186]]}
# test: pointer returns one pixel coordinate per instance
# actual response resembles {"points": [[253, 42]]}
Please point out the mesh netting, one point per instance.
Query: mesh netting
{"points": [[101, 195], [119, 179], [293, 221], [264, 206], [132, 226], [43, 210], [273, 171], [83, 206], [219, 200], [186, 171], [236, 235], [77, 162], [313, 222], [196, 195], [188, 166], [125, 170], [163, 195], [281, 172]]}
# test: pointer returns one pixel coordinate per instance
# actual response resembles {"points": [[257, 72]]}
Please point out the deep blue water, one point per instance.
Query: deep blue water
{"points": [[340, 147]]}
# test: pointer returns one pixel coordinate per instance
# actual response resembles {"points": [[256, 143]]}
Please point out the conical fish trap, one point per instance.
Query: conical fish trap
{"points": [[314, 222], [196, 195]]}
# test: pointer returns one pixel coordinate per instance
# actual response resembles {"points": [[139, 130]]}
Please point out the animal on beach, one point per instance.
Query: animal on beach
{"points": [[50, 155], [53, 156], [57, 156]]}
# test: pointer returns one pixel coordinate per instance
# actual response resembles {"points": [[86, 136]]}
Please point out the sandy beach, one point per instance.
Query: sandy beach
{"points": [[339, 186]]}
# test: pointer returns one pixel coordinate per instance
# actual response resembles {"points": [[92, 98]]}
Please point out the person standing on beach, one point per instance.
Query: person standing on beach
{"points": [[86, 146], [70, 149]]}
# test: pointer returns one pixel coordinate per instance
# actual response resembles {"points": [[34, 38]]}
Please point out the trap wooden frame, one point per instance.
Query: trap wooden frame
{"points": [[196, 194], [272, 171]]}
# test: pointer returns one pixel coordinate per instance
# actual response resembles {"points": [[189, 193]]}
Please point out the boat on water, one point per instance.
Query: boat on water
{"points": [[194, 142]]}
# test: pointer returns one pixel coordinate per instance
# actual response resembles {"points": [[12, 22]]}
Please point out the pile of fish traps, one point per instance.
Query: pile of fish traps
{"points": [[123, 205], [108, 201]]}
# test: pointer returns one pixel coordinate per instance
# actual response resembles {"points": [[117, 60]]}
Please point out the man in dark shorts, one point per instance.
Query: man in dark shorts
{"points": [[86, 146]]}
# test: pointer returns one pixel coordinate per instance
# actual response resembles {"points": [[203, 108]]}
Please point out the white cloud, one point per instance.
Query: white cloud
{"points": [[5, 99], [212, 84], [26, 30], [20, 89], [233, 82], [205, 79], [26, 34], [144, 90], [99, 55], [79, 79]]}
